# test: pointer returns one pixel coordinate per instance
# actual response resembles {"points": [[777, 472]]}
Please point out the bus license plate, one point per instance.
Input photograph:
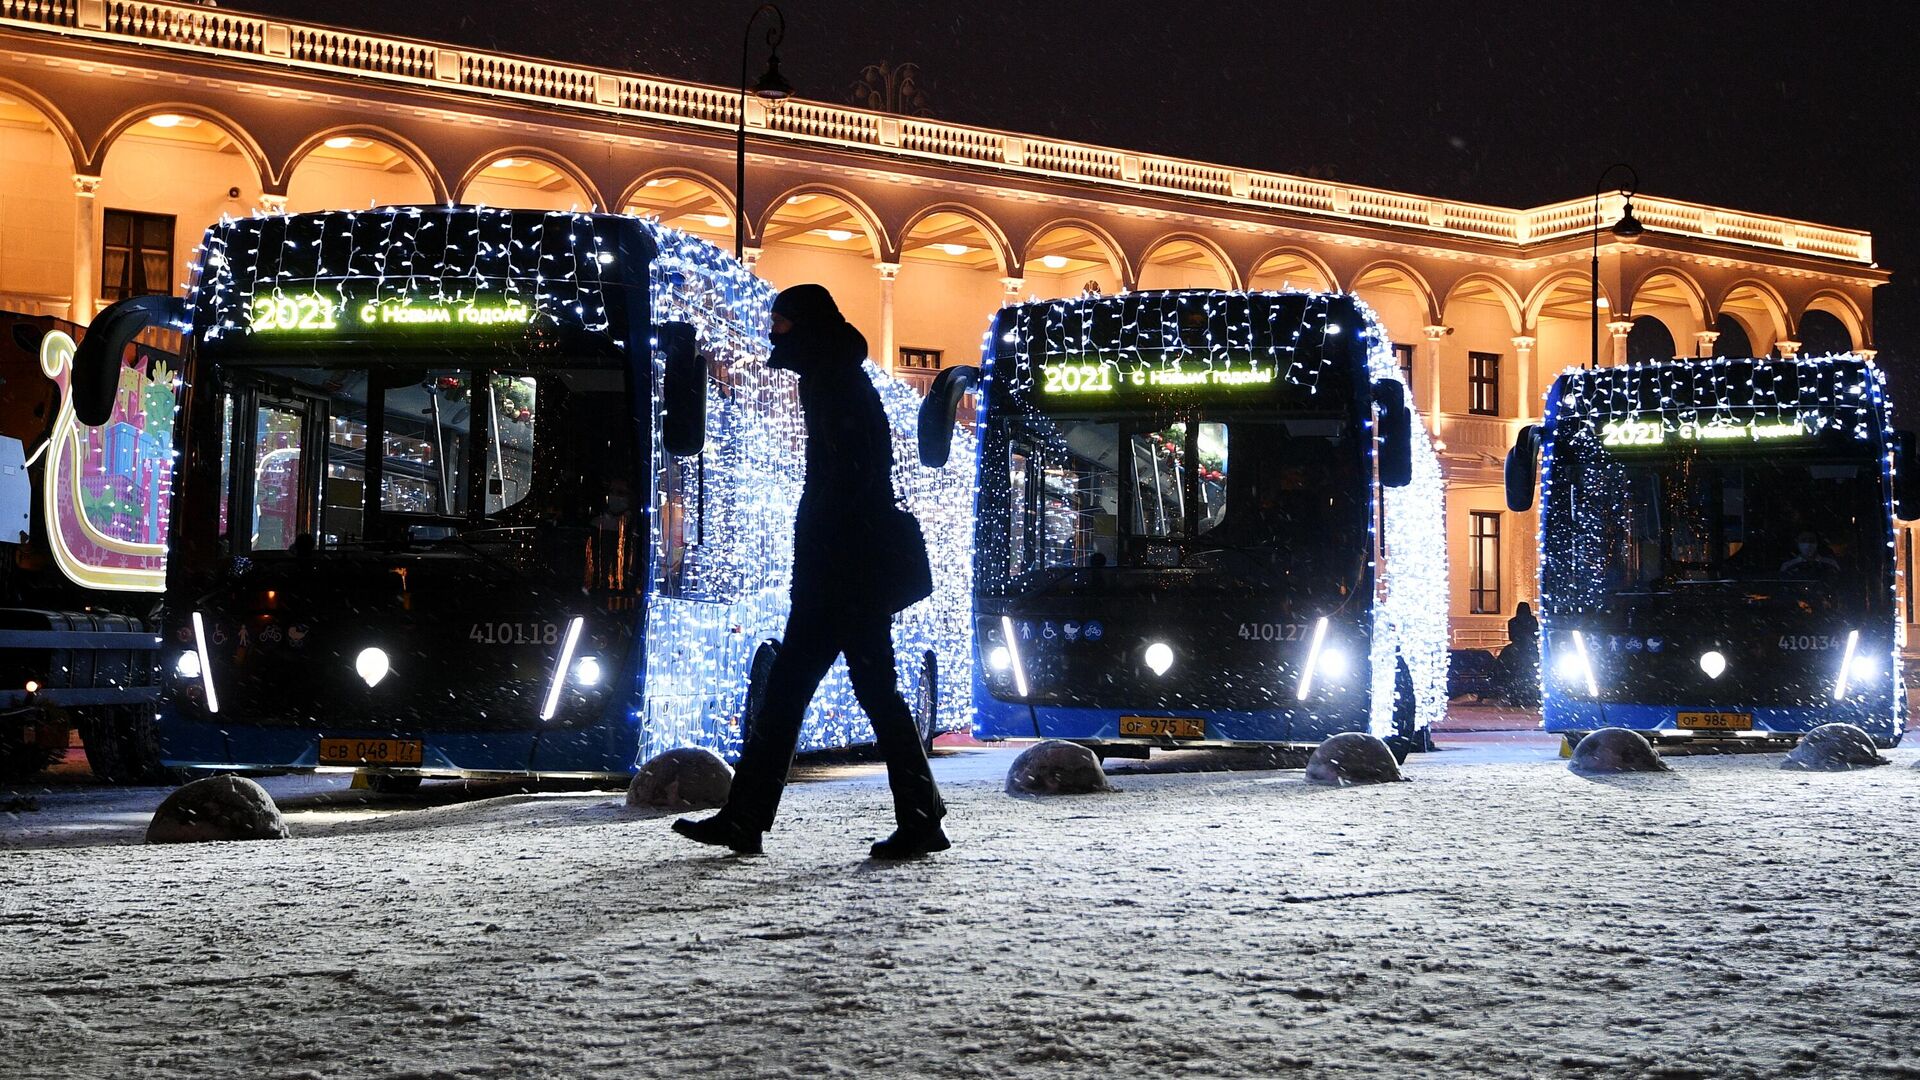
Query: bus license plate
{"points": [[370, 751], [1716, 721], [1164, 727]]}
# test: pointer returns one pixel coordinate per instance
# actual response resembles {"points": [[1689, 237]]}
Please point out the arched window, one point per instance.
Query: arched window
{"points": [[1649, 340], [1822, 333], [1733, 340]]}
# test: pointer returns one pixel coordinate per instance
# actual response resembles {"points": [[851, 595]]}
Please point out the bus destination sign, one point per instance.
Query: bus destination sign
{"points": [[1071, 379], [318, 313], [1649, 432]]}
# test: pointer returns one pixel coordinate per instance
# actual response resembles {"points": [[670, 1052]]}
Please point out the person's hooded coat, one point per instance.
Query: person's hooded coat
{"points": [[849, 464]]}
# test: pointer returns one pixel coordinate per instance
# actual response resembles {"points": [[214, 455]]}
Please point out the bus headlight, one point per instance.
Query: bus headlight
{"points": [[1856, 667], [371, 665], [586, 671], [998, 659], [1334, 664], [187, 665], [1714, 663], [1159, 657], [1574, 667]]}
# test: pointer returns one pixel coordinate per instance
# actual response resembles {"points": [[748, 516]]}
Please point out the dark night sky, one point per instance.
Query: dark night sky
{"points": [[1804, 110]]}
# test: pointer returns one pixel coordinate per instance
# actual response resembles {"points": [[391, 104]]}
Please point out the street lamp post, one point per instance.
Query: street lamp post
{"points": [[771, 87], [1626, 228]]}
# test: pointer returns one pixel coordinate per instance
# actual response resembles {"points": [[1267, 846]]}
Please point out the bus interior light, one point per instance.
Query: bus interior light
{"points": [[552, 704], [1846, 665], [1013, 653], [1313, 660]]}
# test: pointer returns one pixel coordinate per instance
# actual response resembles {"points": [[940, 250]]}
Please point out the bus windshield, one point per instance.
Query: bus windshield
{"points": [[1806, 527], [456, 448], [1287, 496]]}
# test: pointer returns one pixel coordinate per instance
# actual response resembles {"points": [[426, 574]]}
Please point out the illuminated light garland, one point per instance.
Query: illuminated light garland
{"points": [[1185, 338], [1704, 401], [706, 618]]}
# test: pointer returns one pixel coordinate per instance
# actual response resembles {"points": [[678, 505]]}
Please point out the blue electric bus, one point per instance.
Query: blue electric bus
{"points": [[1716, 548], [1202, 518], [464, 491]]}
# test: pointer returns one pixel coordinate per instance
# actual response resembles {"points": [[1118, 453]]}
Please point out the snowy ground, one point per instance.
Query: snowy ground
{"points": [[1497, 915]]}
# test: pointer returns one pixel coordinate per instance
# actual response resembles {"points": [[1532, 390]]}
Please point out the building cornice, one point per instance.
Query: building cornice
{"points": [[151, 25]]}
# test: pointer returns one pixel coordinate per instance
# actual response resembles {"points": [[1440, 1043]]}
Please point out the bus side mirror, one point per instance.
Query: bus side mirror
{"points": [[1396, 433], [938, 409], [96, 363], [683, 390], [1906, 476], [1522, 462]]}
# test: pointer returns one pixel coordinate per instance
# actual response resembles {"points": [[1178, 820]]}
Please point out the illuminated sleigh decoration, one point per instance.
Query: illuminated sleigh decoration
{"points": [[105, 489]]}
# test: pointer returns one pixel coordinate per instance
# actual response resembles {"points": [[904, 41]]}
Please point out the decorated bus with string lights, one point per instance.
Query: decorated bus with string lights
{"points": [[1202, 518], [1716, 548], [465, 491]]}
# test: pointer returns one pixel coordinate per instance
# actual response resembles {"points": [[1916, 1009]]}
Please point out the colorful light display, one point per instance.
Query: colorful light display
{"points": [[1686, 407], [720, 586], [1172, 345]]}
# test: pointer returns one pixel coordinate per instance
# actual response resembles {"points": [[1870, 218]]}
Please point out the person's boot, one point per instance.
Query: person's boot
{"points": [[908, 842], [721, 831]]}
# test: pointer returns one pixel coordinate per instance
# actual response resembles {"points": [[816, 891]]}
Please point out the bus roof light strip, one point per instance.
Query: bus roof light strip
{"points": [[560, 669]]}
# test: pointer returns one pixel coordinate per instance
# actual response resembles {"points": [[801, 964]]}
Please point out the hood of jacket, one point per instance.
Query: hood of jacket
{"points": [[816, 348]]}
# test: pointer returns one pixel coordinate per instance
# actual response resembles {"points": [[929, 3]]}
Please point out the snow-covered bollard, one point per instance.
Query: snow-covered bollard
{"points": [[686, 778], [1834, 748], [1352, 757], [1616, 750], [217, 808], [1056, 767]]}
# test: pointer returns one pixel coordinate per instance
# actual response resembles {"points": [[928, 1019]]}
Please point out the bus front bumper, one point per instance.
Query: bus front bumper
{"points": [[1684, 721]]}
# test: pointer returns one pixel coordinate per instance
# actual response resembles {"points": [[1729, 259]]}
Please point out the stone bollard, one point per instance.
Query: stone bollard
{"points": [[1616, 750], [1056, 767], [1834, 748], [1351, 758], [686, 778], [217, 808]]}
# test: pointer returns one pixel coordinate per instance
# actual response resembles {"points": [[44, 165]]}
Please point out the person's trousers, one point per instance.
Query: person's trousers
{"points": [[816, 634]]}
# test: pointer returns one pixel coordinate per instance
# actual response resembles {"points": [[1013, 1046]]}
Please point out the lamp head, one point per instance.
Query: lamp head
{"points": [[772, 86], [1628, 227]]}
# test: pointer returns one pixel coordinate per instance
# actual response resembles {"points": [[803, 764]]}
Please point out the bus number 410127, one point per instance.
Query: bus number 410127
{"points": [[1272, 631]]}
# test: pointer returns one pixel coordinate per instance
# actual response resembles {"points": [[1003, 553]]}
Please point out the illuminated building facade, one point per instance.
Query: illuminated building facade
{"points": [[128, 126]]}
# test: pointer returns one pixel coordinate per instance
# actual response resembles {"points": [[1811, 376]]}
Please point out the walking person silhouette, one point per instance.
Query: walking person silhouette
{"points": [[846, 587]]}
